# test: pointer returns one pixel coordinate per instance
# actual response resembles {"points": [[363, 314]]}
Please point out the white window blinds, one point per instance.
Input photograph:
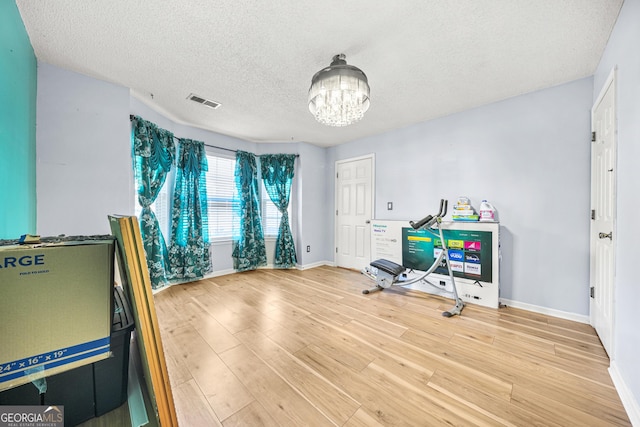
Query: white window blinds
{"points": [[270, 215], [220, 191]]}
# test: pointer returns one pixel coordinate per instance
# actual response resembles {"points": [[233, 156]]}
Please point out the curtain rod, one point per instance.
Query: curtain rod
{"points": [[220, 148], [131, 117]]}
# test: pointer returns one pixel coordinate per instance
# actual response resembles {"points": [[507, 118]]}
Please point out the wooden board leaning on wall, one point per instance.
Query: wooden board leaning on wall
{"points": [[137, 283]]}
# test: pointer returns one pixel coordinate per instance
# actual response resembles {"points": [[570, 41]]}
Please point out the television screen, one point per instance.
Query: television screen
{"points": [[470, 252]]}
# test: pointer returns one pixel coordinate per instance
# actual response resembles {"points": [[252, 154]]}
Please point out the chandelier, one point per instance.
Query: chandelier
{"points": [[339, 94]]}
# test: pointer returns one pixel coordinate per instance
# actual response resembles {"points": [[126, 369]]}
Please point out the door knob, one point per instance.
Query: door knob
{"points": [[606, 235]]}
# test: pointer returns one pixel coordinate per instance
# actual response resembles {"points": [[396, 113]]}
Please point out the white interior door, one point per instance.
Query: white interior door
{"points": [[354, 209], [603, 201]]}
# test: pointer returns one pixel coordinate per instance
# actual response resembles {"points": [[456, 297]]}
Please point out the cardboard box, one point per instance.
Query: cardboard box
{"points": [[56, 308]]}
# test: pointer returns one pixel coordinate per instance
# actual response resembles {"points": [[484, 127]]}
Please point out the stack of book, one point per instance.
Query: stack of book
{"points": [[463, 211]]}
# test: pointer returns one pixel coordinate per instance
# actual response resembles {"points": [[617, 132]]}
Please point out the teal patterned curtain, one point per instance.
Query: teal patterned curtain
{"points": [[277, 175], [189, 251], [248, 247], [153, 155]]}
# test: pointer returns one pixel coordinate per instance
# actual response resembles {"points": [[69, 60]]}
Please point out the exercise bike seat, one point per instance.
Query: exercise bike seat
{"points": [[388, 267]]}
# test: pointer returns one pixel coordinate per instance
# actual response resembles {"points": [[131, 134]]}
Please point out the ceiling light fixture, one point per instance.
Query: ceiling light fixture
{"points": [[339, 94]]}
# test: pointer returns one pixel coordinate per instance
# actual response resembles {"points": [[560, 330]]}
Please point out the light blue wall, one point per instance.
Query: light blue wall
{"points": [[17, 126], [529, 156], [84, 156], [313, 201], [622, 53]]}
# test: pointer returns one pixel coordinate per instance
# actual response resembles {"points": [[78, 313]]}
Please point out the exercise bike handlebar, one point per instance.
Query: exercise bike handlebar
{"points": [[443, 210], [429, 219]]}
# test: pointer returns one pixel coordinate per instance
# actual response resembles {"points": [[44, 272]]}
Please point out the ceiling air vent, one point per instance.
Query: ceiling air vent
{"points": [[203, 101]]}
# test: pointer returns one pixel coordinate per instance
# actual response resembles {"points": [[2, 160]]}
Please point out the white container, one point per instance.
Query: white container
{"points": [[487, 212]]}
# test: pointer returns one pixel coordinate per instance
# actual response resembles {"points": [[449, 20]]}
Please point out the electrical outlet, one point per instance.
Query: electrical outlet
{"points": [[308, 248]]}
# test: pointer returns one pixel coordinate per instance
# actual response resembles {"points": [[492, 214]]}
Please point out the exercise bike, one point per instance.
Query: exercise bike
{"points": [[387, 273]]}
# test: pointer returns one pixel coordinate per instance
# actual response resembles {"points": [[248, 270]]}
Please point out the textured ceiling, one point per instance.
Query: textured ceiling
{"points": [[424, 59]]}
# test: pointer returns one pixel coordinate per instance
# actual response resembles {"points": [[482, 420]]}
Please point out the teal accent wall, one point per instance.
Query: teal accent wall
{"points": [[18, 77]]}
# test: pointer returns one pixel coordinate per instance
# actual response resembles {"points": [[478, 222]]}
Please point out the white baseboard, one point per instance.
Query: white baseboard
{"points": [[219, 273], [206, 276], [628, 401], [270, 267], [231, 271], [314, 265], [544, 310]]}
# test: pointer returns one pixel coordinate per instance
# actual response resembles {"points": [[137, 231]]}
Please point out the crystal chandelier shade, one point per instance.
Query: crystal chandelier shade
{"points": [[339, 94]]}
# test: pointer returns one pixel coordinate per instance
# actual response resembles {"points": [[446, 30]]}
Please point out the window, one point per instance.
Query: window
{"points": [[162, 208], [220, 191], [270, 215]]}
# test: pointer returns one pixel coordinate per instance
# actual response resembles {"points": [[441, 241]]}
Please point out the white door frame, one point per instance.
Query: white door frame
{"points": [[371, 156], [610, 83]]}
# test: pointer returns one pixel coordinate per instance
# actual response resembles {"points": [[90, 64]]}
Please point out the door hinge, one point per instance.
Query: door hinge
{"points": [[593, 136], [337, 173], [336, 249], [592, 292], [336, 212], [593, 214]]}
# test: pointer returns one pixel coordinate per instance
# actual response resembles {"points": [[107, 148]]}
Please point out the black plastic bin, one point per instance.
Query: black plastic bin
{"points": [[110, 376], [90, 390]]}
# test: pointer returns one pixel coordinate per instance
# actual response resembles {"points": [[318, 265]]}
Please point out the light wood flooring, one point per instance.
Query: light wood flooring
{"points": [[307, 348]]}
